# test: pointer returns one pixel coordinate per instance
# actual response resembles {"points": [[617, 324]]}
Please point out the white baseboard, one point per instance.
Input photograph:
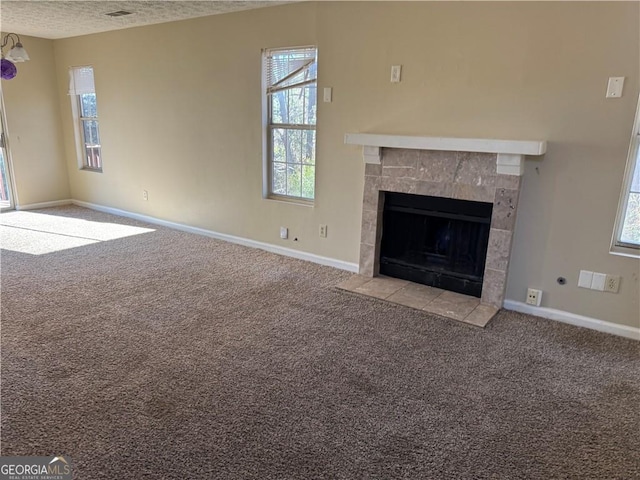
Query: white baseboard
{"points": [[288, 252], [550, 313], [574, 319], [34, 206]]}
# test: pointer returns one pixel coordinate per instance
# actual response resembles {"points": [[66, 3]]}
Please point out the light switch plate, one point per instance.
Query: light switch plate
{"points": [[396, 71], [584, 281], [598, 281], [327, 95]]}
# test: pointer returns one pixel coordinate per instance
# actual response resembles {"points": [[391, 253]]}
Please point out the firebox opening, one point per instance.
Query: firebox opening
{"points": [[435, 241]]}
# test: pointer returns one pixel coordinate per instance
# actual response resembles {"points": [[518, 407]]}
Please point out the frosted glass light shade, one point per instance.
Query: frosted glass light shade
{"points": [[18, 54]]}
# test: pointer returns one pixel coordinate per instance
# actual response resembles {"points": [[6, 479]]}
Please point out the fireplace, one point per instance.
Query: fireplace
{"points": [[435, 241], [487, 172]]}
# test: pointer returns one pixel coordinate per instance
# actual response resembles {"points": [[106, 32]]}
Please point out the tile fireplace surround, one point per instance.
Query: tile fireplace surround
{"points": [[480, 170]]}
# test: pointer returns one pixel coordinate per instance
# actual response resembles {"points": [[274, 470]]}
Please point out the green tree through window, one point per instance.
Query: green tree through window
{"points": [[291, 98]]}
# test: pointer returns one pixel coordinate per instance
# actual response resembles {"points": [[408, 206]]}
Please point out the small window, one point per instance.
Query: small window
{"points": [[626, 238], [290, 80], [85, 112]]}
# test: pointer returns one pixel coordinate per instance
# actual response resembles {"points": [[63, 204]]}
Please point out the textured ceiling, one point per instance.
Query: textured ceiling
{"points": [[60, 19]]}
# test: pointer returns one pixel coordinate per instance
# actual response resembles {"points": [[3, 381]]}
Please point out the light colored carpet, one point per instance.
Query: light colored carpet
{"points": [[153, 354]]}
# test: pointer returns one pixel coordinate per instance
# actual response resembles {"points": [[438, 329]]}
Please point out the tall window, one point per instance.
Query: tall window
{"points": [[627, 233], [85, 111], [290, 77]]}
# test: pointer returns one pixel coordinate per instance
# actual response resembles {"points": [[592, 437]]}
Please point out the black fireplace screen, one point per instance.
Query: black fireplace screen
{"points": [[435, 241]]}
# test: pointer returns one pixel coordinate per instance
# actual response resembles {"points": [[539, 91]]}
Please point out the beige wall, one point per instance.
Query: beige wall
{"points": [[187, 127], [33, 127]]}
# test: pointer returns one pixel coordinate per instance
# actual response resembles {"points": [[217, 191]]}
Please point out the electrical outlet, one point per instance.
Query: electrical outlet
{"points": [[612, 283], [323, 231], [534, 297], [284, 233], [145, 195]]}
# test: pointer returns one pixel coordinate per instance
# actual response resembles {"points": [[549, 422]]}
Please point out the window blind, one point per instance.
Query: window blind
{"points": [[81, 80], [290, 68]]}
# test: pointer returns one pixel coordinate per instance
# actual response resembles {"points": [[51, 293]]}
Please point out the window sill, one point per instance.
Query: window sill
{"points": [[291, 200], [89, 169], [625, 251]]}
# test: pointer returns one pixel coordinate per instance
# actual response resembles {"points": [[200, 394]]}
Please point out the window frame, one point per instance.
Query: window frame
{"points": [[267, 133], [78, 123], [618, 247]]}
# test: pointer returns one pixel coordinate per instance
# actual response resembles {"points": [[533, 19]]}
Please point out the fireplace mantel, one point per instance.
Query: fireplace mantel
{"points": [[510, 153]]}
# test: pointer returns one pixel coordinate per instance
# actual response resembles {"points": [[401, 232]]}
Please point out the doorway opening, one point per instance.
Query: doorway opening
{"points": [[6, 194]]}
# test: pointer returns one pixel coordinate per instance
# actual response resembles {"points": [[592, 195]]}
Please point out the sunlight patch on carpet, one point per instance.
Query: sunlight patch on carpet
{"points": [[39, 233]]}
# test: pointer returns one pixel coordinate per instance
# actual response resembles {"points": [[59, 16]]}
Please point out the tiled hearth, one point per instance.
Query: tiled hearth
{"points": [[421, 297], [464, 169]]}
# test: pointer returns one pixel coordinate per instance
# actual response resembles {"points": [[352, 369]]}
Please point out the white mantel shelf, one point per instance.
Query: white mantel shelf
{"points": [[510, 159]]}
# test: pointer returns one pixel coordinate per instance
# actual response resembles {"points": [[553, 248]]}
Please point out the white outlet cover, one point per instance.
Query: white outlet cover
{"points": [[327, 94], [537, 297], [612, 284], [284, 233], [614, 87]]}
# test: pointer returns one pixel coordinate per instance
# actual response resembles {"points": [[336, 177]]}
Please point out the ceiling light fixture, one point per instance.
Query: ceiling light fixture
{"points": [[17, 54], [119, 13]]}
